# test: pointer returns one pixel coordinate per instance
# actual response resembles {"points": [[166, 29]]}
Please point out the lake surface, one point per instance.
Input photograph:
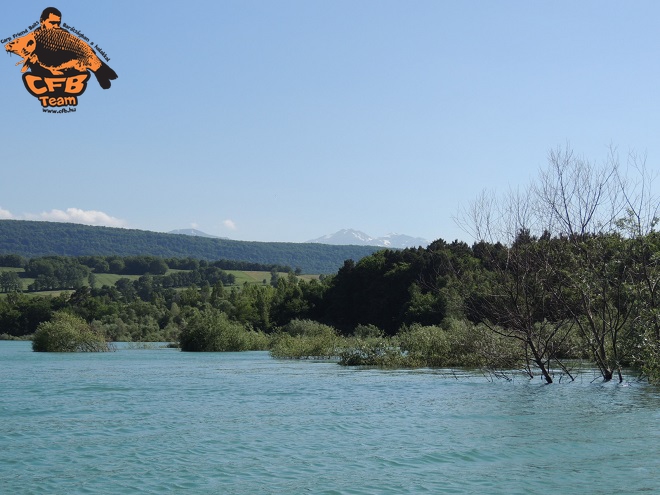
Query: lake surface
{"points": [[163, 421]]}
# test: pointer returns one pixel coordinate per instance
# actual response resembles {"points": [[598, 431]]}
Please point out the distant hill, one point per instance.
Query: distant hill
{"points": [[32, 239], [358, 238]]}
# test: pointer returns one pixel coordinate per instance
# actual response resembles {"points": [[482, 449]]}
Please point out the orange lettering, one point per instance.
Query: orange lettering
{"points": [[76, 84], [54, 82], [30, 81]]}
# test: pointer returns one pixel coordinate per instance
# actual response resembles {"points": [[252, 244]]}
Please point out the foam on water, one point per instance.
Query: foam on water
{"points": [[162, 421]]}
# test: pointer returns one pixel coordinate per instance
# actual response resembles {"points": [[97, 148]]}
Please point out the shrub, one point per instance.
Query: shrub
{"points": [[306, 339], [476, 346], [458, 343], [212, 331], [6, 336], [382, 352], [68, 333], [425, 346], [413, 347], [308, 328], [367, 331], [651, 363]]}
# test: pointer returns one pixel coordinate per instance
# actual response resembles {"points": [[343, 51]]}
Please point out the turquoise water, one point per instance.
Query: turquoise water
{"points": [[163, 421]]}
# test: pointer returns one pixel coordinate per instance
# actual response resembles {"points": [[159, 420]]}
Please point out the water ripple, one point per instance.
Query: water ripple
{"points": [[151, 422]]}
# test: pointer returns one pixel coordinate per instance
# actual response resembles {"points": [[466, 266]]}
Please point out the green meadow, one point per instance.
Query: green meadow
{"points": [[109, 279]]}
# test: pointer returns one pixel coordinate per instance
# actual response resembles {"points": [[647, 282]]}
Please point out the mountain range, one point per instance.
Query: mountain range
{"points": [[194, 233], [345, 237], [353, 237]]}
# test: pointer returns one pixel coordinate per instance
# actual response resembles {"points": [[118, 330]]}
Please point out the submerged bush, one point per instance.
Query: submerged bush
{"points": [[383, 352], [213, 331], [413, 347], [476, 346], [306, 339], [68, 333], [457, 343], [426, 346], [646, 356], [6, 336], [308, 328]]}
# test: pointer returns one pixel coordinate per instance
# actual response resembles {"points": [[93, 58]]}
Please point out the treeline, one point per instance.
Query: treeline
{"points": [[62, 273], [32, 239], [567, 269]]}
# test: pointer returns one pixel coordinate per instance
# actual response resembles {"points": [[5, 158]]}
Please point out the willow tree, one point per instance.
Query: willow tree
{"points": [[638, 225], [514, 297], [579, 268], [587, 205]]}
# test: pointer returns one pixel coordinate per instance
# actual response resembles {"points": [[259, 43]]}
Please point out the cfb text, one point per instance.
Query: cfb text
{"points": [[73, 85]]}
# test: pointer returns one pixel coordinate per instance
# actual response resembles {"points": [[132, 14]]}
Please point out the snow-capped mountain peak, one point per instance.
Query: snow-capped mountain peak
{"points": [[356, 237], [191, 232]]}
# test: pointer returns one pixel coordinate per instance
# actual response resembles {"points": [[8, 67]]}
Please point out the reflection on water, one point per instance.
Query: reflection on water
{"points": [[158, 420]]}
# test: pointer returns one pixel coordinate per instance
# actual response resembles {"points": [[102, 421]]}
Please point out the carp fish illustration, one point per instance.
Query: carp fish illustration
{"points": [[58, 52]]}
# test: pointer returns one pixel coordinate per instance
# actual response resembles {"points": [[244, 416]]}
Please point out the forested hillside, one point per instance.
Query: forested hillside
{"points": [[34, 239]]}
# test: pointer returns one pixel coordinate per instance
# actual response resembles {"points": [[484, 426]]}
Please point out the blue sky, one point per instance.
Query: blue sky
{"points": [[288, 120]]}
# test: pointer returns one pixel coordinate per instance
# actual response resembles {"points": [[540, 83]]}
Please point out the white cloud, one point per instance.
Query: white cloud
{"points": [[194, 225], [230, 224], [76, 215], [5, 214]]}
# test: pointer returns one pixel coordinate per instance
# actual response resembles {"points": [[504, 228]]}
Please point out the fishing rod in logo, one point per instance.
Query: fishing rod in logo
{"points": [[57, 64]]}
